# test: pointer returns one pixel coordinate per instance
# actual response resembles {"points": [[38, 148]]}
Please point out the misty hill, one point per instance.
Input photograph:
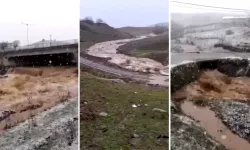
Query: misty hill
{"points": [[139, 31], [177, 30], [163, 24], [187, 19], [100, 32]]}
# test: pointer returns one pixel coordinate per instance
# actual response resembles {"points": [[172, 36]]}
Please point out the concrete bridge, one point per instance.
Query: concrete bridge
{"points": [[63, 54]]}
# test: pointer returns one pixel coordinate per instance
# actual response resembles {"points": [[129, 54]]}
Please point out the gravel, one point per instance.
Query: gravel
{"points": [[55, 129], [236, 115]]}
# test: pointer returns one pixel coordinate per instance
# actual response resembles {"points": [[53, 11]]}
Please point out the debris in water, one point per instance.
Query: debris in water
{"points": [[223, 137], [134, 105]]}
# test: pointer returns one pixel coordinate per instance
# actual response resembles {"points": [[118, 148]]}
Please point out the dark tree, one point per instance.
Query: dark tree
{"points": [[89, 20], [3, 45], [99, 21], [15, 44], [159, 29]]}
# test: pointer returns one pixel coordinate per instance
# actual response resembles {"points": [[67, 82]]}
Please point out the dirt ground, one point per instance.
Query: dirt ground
{"points": [[28, 91]]}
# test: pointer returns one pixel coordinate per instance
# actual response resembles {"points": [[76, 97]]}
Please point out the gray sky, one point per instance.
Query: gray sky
{"points": [[60, 18], [237, 4], [120, 13]]}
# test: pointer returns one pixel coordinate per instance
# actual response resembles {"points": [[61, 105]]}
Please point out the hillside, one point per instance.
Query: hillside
{"points": [[187, 19], [99, 32], [163, 24], [177, 30], [155, 48], [137, 31]]}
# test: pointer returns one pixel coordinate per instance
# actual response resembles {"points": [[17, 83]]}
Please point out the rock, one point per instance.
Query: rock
{"points": [[3, 76], [135, 141], [135, 136], [233, 67], [103, 114], [5, 114]]}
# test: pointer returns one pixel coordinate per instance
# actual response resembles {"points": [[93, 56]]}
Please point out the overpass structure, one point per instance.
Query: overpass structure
{"points": [[60, 54]]}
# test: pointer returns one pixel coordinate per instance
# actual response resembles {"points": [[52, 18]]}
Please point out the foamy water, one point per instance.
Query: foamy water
{"points": [[146, 65]]}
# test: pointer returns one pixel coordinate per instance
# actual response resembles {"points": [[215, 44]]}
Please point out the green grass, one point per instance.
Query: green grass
{"points": [[159, 55], [115, 131]]}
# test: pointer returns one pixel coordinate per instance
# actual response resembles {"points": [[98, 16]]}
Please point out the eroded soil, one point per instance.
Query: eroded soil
{"points": [[28, 91]]}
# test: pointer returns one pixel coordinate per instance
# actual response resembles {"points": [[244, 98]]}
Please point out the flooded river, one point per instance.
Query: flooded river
{"points": [[28, 91], [214, 126]]}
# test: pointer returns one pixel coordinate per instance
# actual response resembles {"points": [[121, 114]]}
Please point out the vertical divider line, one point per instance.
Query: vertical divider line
{"points": [[169, 74], [79, 73]]}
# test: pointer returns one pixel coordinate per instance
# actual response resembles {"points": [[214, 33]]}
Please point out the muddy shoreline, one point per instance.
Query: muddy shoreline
{"points": [[217, 102]]}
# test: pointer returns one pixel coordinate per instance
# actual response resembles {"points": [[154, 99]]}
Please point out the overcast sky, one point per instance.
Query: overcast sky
{"points": [[120, 13], [237, 4], [60, 18]]}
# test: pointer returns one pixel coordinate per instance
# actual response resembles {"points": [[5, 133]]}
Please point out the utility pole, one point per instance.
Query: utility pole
{"points": [[27, 25], [50, 40]]}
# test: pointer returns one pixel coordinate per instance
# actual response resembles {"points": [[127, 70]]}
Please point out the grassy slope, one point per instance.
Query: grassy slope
{"points": [[114, 131], [155, 48]]}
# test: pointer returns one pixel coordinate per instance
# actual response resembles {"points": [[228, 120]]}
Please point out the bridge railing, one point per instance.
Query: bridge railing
{"points": [[44, 45]]}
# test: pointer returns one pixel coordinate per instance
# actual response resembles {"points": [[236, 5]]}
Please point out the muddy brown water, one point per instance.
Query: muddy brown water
{"points": [[214, 126]]}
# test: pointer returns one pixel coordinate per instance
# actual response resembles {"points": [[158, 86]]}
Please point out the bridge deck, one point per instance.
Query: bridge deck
{"points": [[71, 48]]}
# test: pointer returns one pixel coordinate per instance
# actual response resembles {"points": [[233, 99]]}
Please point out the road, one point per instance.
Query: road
{"points": [[114, 71], [177, 58]]}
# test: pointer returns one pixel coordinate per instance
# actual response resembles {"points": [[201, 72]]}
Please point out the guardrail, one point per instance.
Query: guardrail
{"points": [[44, 45]]}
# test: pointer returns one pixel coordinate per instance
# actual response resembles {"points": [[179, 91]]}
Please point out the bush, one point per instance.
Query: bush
{"points": [[99, 21], [159, 30], [89, 20]]}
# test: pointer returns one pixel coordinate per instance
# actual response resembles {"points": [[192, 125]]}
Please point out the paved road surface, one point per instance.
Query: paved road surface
{"points": [[115, 71], [177, 58]]}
